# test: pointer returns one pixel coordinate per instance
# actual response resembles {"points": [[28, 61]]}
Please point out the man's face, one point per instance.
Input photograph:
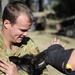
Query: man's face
{"points": [[19, 29]]}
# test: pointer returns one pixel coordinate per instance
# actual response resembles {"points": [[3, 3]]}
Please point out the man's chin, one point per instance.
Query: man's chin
{"points": [[19, 41]]}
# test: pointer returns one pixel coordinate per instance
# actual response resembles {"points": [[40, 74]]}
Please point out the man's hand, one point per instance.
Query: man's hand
{"points": [[56, 41], [9, 68]]}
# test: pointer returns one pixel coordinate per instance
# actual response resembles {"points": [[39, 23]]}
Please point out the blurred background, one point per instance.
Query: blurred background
{"points": [[52, 18]]}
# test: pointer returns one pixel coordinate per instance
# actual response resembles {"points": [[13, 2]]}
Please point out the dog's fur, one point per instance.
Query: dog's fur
{"points": [[32, 64]]}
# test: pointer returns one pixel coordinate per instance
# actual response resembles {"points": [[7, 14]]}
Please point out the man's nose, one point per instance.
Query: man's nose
{"points": [[25, 33]]}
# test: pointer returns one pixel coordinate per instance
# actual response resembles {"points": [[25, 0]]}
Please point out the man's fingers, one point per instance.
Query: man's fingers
{"points": [[56, 41], [3, 69], [63, 45], [5, 63]]}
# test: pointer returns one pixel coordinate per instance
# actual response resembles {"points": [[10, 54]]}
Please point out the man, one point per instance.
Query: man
{"points": [[17, 20]]}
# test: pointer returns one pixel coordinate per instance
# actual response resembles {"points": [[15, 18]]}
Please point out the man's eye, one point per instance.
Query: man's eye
{"points": [[23, 30]]}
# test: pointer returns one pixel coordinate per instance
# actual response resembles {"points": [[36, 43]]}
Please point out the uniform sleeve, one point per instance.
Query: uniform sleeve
{"points": [[2, 55], [34, 50]]}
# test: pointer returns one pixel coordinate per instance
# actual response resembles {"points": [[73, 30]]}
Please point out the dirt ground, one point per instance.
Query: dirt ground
{"points": [[43, 39]]}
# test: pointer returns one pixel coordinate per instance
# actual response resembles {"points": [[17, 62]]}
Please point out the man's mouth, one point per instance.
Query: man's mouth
{"points": [[21, 37]]}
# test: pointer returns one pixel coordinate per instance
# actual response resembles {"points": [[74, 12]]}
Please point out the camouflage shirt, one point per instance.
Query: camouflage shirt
{"points": [[27, 46]]}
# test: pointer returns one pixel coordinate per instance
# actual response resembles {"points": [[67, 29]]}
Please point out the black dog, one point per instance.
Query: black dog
{"points": [[32, 64], [55, 56]]}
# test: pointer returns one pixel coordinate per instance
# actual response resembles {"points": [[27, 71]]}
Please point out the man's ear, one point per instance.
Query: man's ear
{"points": [[7, 24]]}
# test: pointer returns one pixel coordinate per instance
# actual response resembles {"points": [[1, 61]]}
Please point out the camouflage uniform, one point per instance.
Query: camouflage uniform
{"points": [[25, 47]]}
